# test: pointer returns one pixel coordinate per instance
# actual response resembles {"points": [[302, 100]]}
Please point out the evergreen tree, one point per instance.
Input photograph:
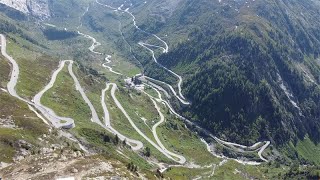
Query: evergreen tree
{"points": [[116, 140], [147, 152]]}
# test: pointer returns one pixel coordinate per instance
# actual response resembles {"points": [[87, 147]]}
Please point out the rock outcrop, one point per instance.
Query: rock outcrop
{"points": [[36, 8], [39, 8], [20, 5]]}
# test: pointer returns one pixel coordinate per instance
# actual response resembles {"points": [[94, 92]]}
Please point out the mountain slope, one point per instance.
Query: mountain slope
{"points": [[246, 71], [251, 68]]}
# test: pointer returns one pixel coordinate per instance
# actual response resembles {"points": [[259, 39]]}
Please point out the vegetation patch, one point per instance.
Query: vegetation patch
{"points": [[57, 34], [308, 150], [4, 72]]}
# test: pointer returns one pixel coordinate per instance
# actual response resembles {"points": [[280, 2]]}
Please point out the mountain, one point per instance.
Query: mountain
{"points": [[251, 68], [159, 89]]}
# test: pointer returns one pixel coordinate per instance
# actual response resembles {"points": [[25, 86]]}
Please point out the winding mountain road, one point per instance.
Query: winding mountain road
{"points": [[104, 106], [165, 50], [170, 87], [137, 144], [14, 72], [37, 98], [94, 45], [253, 147], [110, 69], [252, 163], [162, 149], [154, 132], [264, 147], [95, 117], [180, 97], [50, 115]]}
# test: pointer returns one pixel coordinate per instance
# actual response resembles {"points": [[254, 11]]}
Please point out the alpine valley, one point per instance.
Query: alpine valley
{"points": [[159, 89]]}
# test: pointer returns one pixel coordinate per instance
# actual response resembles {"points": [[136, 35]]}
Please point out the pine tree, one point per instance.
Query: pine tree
{"points": [[147, 152], [116, 140]]}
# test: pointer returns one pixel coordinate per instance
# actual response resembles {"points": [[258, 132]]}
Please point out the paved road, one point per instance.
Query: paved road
{"points": [[262, 149], [104, 106], [154, 132], [135, 144], [163, 151], [180, 97], [170, 87], [15, 69], [114, 86], [254, 147], [92, 48], [60, 121], [165, 49], [51, 116], [95, 117]]}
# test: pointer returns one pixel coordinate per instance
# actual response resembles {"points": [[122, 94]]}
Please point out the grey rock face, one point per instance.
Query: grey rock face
{"points": [[39, 8], [36, 8]]}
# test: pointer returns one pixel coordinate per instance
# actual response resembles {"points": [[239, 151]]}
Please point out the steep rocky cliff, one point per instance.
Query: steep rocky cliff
{"points": [[36, 8]]}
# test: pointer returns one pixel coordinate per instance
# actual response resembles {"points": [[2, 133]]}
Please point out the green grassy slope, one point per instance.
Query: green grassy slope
{"points": [[28, 126], [231, 62], [218, 72], [308, 150], [4, 72]]}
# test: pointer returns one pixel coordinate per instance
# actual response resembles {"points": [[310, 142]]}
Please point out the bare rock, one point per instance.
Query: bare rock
{"points": [[39, 8], [7, 122], [36, 8], [46, 150], [74, 170]]}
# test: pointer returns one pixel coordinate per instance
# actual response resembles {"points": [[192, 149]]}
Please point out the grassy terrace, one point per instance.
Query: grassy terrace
{"points": [[139, 107], [120, 123], [93, 87], [4, 72], [66, 101], [181, 173], [151, 91], [308, 150], [175, 136], [30, 127], [35, 68], [227, 170], [234, 170]]}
